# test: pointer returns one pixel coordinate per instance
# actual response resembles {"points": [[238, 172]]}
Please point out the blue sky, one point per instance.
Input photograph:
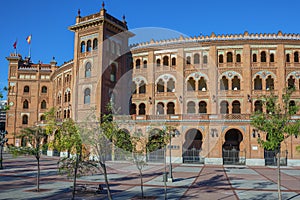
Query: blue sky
{"points": [[48, 21]]}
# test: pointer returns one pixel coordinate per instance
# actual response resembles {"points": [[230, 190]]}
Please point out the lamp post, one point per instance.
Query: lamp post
{"points": [[3, 140], [170, 178]]}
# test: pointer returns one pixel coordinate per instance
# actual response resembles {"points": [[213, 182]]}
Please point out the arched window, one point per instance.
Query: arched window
{"points": [[133, 88], [188, 60], [292, 107], [191, 107], [202, 107], [202, 84], [291, 82], [44, 89], [113, 47], [196, 58], [142, 109], [205, 59], [138, 64], [89, 45], [224, 107], [26, 89], [269, 83], [170, 108], [42, 118], [65, 114], [158, 62], [43, 104], [166, 61], [224, 83], [236, 107], [113, 73], [68, 113], [66, 97], [296, 57], [238, 58], [142, 87], [229, 57], [88, 69], [58, 98], [25, 104], [258, 106], [160, 108], [235, 83], [69, 96], [160, 86], [87, 96], [254, 57], [221, 59], [173, 61], [95, 44], [287, 58], [25, 119], [82, 47], [145, 63], [132, 109], [272, 57], [191, 84], [171, 85], [257, 83], [263, 56]]}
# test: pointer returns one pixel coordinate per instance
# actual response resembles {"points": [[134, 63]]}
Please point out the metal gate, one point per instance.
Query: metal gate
{"points": [[192, 156], [122, 155], [234, 157], [157, 156], [271, 158]]}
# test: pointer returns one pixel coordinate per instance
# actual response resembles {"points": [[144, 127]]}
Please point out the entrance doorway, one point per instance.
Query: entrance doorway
{"points": [[192, 147], [231, 148]]}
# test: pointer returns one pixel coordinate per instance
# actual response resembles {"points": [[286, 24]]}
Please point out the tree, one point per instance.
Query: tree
{"points": [[277, 123], [95, 133], [67, 138], [35, 136], [142, 145]]}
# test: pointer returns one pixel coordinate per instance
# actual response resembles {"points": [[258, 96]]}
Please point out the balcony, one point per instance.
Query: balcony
{"points": [[184, 117]]}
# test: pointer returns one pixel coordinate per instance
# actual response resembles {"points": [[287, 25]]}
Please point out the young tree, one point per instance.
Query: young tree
{"points": [[277, 123], [141, 145], [35, 136], [94, 133], [67, 138]]}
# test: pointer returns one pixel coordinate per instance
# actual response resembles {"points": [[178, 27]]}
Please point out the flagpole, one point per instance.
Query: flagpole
{"points": [[29, 50]]}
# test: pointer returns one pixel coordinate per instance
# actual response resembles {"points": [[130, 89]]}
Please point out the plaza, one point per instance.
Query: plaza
{"points": [[191, 181]]}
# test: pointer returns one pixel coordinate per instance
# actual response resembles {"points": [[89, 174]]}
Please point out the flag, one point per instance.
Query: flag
{"points": [[28, 39], [15, 44]]}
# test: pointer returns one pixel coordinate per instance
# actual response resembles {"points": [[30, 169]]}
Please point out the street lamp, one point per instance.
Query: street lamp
{"points": [[172, 133], [3, 140]]}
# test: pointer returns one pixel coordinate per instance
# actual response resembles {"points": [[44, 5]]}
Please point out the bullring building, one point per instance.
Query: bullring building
{"points": [[206, 87]]}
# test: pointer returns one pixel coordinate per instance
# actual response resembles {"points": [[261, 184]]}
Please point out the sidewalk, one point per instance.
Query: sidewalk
{"points": [[18, 181]]}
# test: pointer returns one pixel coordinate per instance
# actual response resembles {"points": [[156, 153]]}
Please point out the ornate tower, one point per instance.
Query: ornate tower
{"points": [[100, 60]]}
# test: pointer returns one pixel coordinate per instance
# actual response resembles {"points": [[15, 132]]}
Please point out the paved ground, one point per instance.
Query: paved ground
{"points": [[18, 181]]}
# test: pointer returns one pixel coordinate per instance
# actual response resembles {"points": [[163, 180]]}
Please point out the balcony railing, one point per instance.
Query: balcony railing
{"points": [[183, 117]]}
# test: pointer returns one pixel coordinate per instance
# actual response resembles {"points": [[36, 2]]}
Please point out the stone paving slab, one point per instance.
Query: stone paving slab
{"points": [[265, 195], [187, 169], [254, 184], [291, 172]]}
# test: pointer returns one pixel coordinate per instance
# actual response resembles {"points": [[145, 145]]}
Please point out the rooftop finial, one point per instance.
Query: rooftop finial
{"points": [[78, 12], [124, 19], [103, 4]]}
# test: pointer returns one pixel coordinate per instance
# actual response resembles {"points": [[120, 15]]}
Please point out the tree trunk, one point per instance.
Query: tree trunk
{"points": [[38, 174], [1, 158], [141, 176], [103, 166], [75, 177], [278, 175]]}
